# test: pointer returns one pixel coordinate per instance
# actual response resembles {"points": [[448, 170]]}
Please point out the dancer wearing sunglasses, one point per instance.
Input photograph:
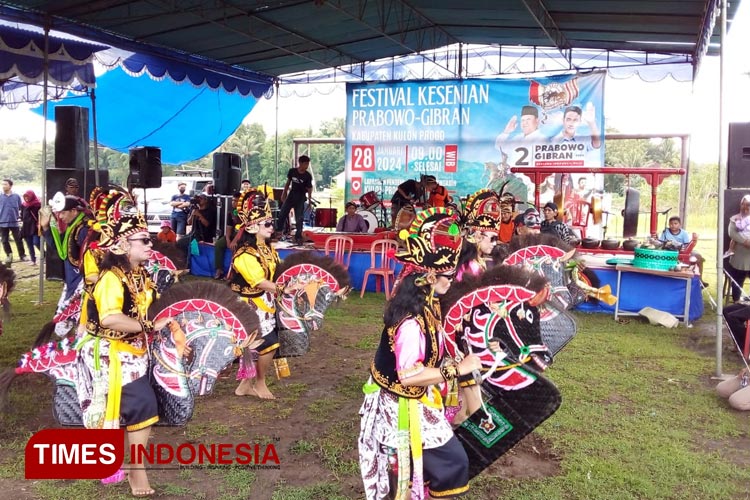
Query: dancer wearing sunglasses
{"points": [[253, 266], [112, 384]]}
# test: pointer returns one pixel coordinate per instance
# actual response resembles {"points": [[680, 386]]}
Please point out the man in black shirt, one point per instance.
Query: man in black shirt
{"points": [[180, 209], [297, 190], [203, 219], [406, 194]]}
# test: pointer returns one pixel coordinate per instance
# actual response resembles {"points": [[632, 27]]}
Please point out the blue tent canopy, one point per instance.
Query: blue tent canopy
{"points": [[185, 121], [22, 64]]}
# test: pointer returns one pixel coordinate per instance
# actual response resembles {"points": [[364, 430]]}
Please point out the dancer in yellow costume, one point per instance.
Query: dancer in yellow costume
{"points": [[253, 267], [113, 386]]}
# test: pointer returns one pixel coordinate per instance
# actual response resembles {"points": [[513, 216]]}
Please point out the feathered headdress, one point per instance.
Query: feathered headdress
{"points": [[483, 210], [433, 241], [117, 216], [251, 215]]}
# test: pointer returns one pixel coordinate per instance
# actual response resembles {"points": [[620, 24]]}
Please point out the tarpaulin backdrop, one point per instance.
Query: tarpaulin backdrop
{"points": [[468, 133]]}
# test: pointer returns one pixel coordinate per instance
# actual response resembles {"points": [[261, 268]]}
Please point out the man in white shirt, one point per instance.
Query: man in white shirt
{"points": [[572, 118], [529, 128]]}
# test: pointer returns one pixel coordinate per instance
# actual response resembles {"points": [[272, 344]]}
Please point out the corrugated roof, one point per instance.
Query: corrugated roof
{"points": [[277, 37]]}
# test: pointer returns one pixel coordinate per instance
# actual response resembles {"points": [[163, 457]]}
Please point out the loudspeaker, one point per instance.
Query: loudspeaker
{"points": [[145, 167], [227, 173], [72, 137], [56, 178], [738, 159]]}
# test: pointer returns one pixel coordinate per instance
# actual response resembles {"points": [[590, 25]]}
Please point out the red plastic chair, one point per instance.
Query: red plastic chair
{"points": [[580, 213], [385, 271], [341, 247]]}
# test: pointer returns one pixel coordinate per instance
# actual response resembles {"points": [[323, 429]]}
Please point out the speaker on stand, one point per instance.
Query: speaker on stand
{"points": [[227, 173], [145, 168]]}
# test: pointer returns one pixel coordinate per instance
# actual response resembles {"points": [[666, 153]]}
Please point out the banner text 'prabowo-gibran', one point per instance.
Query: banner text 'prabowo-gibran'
{"points": [[469, 133]]}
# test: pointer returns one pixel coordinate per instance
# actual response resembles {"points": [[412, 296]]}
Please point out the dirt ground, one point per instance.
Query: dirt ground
{"points": [[313, 425]]}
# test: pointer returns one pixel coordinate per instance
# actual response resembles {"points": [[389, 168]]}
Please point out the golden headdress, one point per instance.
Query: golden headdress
{"points": [[433, 242], [251, 215], [483, 210], [116, 217]]}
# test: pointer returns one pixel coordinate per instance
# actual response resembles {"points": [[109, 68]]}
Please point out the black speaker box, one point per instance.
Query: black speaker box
{"points": [[732, 199], [145, 167], [71, 137], [56, 178], [227, 173], [738, 159]]}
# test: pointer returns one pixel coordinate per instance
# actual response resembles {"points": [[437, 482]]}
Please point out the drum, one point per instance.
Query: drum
{"points": [[405, 217], [369, 217], [369, 200], [325, 217]]}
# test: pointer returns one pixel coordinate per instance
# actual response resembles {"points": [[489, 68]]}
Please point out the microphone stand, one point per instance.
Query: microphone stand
{"points": [[381, 222]]}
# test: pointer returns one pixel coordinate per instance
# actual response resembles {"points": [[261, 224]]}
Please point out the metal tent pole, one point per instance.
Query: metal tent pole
{"points": [[45, 113], [723, 148], [96, 142]]}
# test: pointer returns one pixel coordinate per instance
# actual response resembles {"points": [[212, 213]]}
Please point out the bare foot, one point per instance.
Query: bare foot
{"points": [[261, 390], [139, 485], [245, 389]]}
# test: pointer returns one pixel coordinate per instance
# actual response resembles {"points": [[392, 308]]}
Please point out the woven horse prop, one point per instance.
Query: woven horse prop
{"points": [[210, 320], [502, 306], [314, 283], [557, 260]]}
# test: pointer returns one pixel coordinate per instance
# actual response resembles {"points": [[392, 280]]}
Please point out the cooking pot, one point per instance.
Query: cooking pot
{"points": [[610, 244], [629, 244], [590, 243]]}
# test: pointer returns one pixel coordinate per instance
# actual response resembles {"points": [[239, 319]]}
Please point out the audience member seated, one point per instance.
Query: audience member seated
{"points": [[352, 222], [166, 235], [736, 391], [680, 238], [551, 225]]}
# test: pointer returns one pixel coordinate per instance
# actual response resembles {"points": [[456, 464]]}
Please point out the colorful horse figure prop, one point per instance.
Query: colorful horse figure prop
{"points": [[501, 305], [315, 283], [214, 327]]}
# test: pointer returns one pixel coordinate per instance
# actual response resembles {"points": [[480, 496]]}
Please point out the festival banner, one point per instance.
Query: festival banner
{"points": [[470, 133]]}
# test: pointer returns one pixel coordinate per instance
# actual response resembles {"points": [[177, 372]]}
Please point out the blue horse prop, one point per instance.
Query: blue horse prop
{"points": [[501, 305]]}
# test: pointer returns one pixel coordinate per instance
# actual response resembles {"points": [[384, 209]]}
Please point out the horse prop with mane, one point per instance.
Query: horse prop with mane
{"points": [[211, 321], [314, 283], [501, 305]]}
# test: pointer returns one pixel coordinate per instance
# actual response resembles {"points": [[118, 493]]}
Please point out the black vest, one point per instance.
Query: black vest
{"points": [[129, 308], [383, 368], [238, 284]]}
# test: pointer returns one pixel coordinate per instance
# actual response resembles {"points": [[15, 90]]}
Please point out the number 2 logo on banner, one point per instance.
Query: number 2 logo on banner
{"points": [[363, 158]]}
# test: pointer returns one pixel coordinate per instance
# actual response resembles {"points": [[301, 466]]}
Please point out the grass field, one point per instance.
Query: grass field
{"points": [[639, 417]]}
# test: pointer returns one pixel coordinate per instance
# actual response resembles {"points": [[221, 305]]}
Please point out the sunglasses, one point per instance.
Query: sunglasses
{"points": [[268, 224], [144, 240]]}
